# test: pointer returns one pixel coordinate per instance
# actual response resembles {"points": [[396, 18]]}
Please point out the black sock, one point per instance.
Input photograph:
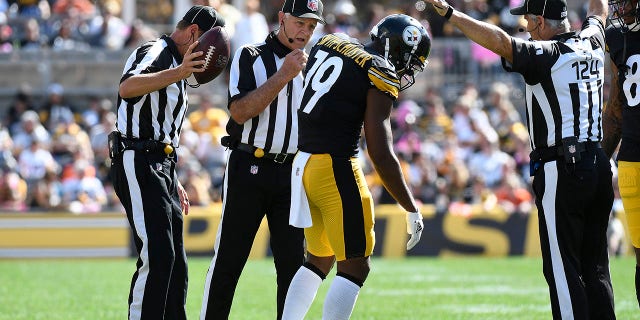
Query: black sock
{"points": [[638, 284]]}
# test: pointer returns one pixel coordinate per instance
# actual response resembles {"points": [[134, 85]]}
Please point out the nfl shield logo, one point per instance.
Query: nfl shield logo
{"points": [[572, 148], [253, 169], [159, 166], [312, 5]]}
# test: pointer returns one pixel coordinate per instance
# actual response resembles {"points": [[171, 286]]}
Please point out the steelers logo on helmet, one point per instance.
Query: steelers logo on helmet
{"points": [[411, 35]]}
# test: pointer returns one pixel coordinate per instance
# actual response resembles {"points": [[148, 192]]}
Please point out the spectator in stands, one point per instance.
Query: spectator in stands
{"points": [[208, 117], [98, 137], [489, 162], [345, 18], [66, 38], [139, 33], [512, 192], [501, 111], [83, 8], [91, 114], [37, 9], [68, 138], [30, 128], [209, 122], [13, 189], [32, 39], [6, 142], [47, 192], [6, 33], [83, 191], [33, 163], [252, 26], [197, 183], [230, 14], [55, 109], [466, 133], [107, 30], [21, 103]]}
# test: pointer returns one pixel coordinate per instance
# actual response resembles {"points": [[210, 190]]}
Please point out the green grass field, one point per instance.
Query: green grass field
{"points": [[413, 288]]}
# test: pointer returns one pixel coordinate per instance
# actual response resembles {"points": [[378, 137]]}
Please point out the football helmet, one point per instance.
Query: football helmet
{"points": [[406, 45], [625, 14]]}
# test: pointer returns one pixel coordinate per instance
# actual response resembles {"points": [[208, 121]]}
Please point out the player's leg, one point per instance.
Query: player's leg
{"points": [[322, 196], [305, 283], [628, 182], [242, 213], [177, 295], [304, 286], [594, 256], [286, 241], [349, 229], [151, 224], [345, 287], [559, 199]]}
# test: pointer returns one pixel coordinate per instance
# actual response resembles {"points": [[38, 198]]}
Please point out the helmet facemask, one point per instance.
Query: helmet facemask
{"points": [[621, 10], [413, 65]]}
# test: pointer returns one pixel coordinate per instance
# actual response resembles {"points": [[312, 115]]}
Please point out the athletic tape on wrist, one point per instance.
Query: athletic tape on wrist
{"points": [[449, 13]]}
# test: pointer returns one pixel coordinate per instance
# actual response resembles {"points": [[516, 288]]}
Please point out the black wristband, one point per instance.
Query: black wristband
{"points": [[449, 12]]}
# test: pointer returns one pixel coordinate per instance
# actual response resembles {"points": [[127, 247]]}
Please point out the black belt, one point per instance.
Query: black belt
{"points": [[546, 154], [148, 146], [259, 153]]}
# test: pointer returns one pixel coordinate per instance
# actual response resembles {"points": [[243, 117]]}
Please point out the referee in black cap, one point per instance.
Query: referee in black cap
{"points": [[571, 174], [152, 104], [265, 83]]}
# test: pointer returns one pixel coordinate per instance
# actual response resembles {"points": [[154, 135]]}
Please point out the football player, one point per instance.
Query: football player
{"points": [[623, 44], [349, 86]]}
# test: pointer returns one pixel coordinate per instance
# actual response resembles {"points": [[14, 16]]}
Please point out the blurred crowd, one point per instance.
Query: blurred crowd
{"points": [[473, 150], [459, 151]]}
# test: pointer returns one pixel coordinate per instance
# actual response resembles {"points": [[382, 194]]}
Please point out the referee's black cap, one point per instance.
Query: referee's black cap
{"points": [[550, 9], [304, 9], [204, 16]]}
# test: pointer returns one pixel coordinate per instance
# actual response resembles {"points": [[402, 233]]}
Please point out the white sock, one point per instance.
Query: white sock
{"points": [[302, 291], [340, 299]]}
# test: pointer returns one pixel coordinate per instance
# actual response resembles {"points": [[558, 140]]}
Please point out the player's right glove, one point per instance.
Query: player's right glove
{"points": [[414, 228]]}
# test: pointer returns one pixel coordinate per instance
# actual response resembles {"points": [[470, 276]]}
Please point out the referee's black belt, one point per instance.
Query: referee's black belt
{"points": [[259, 153], [546, 154], [148, 146]]}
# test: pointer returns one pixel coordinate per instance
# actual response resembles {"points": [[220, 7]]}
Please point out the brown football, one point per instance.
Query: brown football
{"points": [[216, 50]]}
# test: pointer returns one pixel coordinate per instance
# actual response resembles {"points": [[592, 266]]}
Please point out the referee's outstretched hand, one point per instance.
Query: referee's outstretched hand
{"points": [[293, 63], [189, 65]]}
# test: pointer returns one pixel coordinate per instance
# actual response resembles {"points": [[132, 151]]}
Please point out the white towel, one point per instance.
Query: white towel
{"points": [[300, 215]]}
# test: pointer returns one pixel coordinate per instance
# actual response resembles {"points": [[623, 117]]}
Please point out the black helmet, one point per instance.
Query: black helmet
{"points": [[406, 45], [621, 10]]}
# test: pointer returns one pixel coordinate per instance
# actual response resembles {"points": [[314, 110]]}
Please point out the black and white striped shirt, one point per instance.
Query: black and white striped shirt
{"points": [[564, 79], [275, 129], [158, 115]]}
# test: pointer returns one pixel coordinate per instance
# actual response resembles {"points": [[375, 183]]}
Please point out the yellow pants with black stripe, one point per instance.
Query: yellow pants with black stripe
{"points": [[629, 185], [341, 208]]}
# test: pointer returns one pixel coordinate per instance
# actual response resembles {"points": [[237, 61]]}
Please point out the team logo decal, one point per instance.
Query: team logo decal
{"points": [[253, 169], [312, 5], [411, 35]]}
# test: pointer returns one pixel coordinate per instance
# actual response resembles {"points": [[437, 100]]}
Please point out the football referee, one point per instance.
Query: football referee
{"points": [[564, 76], [264, 87], [152, 104]]}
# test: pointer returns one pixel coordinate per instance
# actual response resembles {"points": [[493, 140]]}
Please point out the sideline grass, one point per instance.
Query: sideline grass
{"points": [[413, 288]]}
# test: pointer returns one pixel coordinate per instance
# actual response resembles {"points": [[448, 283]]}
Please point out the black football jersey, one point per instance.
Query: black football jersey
{"points": [[628, 63], [339, 74]]}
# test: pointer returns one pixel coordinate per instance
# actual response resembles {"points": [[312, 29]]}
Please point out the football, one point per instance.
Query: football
{"points": [[216, 51]]}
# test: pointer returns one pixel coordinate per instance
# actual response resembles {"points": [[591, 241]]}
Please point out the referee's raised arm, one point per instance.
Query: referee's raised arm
{"points": [[485, 34]]}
